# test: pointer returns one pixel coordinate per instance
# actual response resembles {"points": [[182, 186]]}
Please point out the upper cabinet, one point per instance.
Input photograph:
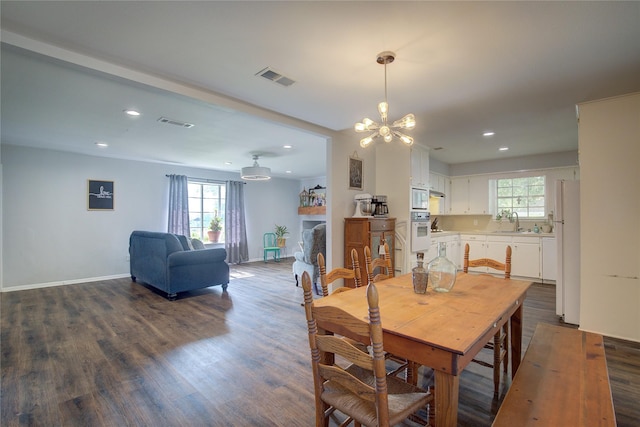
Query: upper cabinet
{"points": [[419, 167], [437, 182], [469, 195]]}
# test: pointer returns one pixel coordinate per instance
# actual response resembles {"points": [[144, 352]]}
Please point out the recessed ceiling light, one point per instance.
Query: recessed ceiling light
{"points": [[287, 146], [133, 113], [287, 172], [488, 133], [102, 144], [503, 148], [228, 163]]}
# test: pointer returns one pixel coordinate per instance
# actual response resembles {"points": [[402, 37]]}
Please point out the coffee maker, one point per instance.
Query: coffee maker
{"points": [[380, 208]]}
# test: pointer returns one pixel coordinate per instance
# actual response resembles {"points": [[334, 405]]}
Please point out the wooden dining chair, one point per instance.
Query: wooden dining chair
{"points": [[362, 390], [339, 273], [500, 344], [378, 268]]}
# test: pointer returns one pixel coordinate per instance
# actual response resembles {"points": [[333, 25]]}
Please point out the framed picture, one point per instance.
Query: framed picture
{"points": [[355, 172], [100, 195]]}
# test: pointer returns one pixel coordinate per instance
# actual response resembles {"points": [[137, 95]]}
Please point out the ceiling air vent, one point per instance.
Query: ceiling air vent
{"points": [[175, 122], [275, 77]]}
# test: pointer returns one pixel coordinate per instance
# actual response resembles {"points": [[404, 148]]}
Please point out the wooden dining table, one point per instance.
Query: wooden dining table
{"points": [[443, 331]]}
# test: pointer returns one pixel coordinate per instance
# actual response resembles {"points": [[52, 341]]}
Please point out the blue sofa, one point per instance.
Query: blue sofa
{"points": [[169, 263]]}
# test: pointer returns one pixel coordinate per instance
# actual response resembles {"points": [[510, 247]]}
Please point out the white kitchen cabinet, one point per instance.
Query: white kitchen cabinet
{"points": [[496, 248], [549, 259], [525, 257], [470, 195], [459, 197], [479, 195], [419, 167], [437, 182]]}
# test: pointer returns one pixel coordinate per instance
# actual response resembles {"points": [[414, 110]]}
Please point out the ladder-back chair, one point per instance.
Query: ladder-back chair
{"points": [[339, 273], [500, 343], [362, 391]]}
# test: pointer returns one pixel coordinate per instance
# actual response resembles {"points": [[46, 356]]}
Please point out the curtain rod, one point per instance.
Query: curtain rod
{"points": [[208, 180]]}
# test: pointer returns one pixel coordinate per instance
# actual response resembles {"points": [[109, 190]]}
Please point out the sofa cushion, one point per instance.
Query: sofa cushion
{"points": [[185, 242], [197, 244]]}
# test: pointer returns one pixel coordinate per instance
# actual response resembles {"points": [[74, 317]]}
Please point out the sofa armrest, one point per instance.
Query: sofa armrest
{"points": [[202, 256]]}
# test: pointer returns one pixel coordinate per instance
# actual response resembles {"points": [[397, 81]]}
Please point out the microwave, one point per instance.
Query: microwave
{"points": [[419, 199]]}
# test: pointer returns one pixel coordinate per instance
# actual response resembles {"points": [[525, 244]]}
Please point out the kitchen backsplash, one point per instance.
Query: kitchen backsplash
{"points": [[483, 223]]}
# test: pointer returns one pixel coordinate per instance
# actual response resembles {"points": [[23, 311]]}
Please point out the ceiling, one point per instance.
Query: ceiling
{"points": [[515, 68]]}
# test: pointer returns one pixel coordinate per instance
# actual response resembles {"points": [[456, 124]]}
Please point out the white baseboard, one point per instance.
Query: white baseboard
{"points": [[62, 283]]}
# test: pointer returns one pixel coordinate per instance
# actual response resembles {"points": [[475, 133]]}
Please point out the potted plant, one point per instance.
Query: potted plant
{"points": [[281, 231], [215, 227]]}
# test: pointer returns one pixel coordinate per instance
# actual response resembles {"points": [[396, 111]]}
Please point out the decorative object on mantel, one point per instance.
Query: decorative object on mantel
{"points": [[304, 198], [317, 198], [100, 195], [255, 172], [384, 130], [355, 172]]}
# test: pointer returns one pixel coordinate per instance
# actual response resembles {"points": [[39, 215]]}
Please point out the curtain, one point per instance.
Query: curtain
{"points": [[235, 238], [178, 205]]}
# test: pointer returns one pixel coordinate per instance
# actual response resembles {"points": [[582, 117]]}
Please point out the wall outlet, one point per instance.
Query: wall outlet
{"points": [[475, 222]]}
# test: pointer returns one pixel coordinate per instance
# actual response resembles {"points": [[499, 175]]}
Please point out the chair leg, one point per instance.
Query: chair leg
{"points": [[497, 350]]}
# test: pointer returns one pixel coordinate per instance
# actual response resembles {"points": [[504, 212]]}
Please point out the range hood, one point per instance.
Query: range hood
{"points": [[433, 193]]}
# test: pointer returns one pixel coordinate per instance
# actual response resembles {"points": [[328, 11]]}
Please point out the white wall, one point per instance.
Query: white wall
{"points": [[609, 143], [341, 203], [50, 238]]}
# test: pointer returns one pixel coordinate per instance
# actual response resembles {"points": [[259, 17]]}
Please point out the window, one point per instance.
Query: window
{"points": [[206, 201], [522, 195]]}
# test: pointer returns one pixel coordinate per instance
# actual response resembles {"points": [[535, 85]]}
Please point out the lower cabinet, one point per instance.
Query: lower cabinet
{"points": [[361, 232], [526, 254], [451, 244], [525, 257], [497, 249]]}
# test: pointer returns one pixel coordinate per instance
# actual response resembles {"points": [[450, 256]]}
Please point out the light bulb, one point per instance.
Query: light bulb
{"points": [[404, 138], [360, 127], [383, 109], [407, 122], [388, 138], [364, 142]]}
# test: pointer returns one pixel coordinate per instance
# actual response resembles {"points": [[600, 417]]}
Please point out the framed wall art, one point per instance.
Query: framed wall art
{"points": [[100, 195], [355, 172]]}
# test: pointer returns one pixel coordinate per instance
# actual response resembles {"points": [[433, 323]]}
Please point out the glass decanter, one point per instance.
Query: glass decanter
{"points": [[420, 276], [442, 271]]}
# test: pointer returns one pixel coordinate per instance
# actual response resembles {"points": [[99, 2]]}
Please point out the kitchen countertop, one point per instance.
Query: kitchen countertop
{"points": [[492, 233]]}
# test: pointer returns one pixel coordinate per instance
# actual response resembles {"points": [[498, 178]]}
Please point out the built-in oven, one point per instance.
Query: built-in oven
{"points": [[420, 231]]}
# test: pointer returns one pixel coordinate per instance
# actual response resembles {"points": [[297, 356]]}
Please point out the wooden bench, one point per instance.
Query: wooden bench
{"points": [[562, 381]]}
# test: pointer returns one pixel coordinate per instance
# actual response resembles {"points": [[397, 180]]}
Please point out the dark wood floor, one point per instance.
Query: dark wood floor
{"points": [[115, 353]]}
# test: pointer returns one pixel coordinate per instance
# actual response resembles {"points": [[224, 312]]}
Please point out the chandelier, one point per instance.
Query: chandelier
{"points": [[255, 172], [384, 130]]}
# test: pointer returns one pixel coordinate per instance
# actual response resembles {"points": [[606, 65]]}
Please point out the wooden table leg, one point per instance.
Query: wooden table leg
{"points": [[516, 339], [447, 388]]}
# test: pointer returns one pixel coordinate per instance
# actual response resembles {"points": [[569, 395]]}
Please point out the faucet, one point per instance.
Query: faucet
{"points": [[517, 220]]}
